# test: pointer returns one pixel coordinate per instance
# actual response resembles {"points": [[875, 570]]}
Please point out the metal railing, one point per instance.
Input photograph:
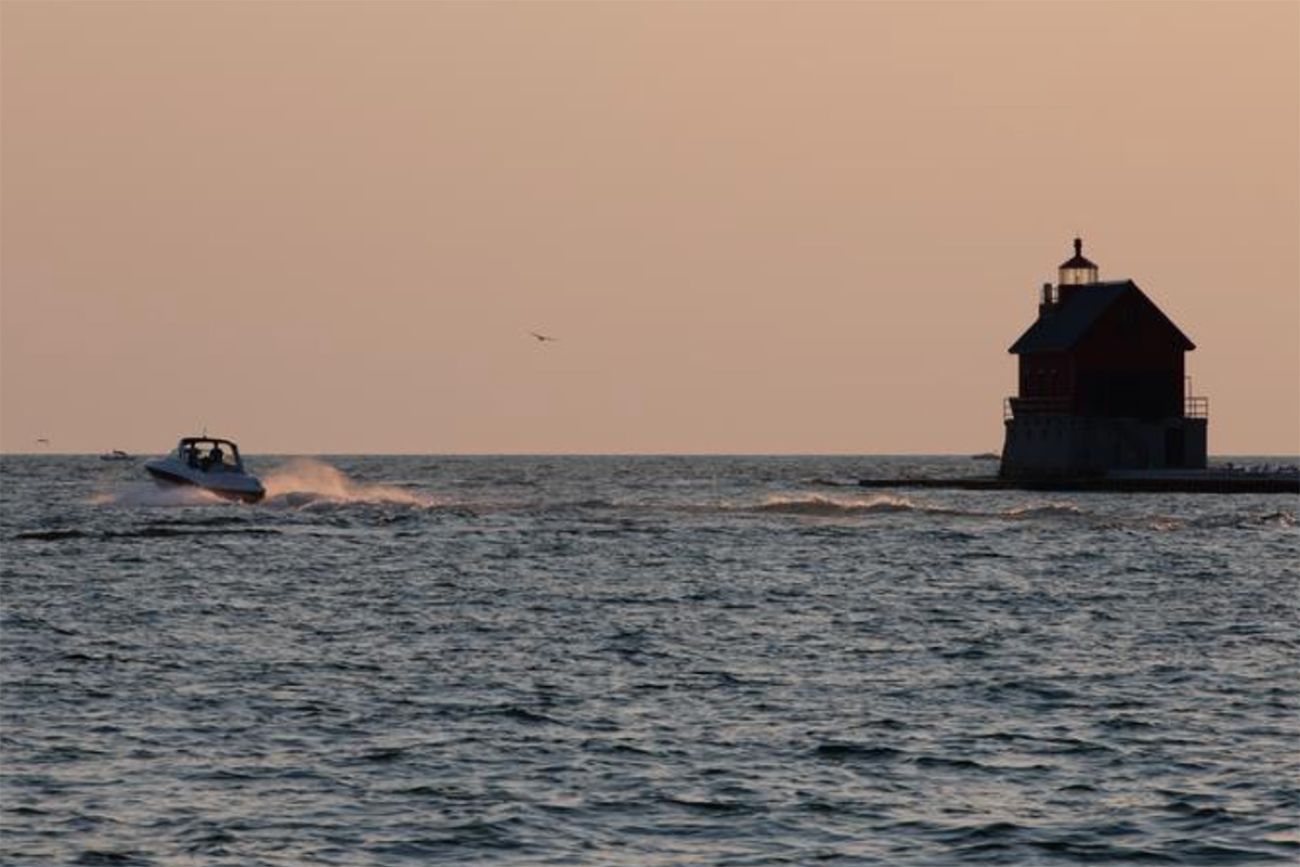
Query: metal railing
{"points": [[1193, 407], [1014, 406]]}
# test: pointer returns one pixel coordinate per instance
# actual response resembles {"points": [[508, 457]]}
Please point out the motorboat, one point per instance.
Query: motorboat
{"points": [[210, 463], [115, 455]]}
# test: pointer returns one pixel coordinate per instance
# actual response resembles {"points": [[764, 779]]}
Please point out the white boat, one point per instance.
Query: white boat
{"points": [[210, 463]]}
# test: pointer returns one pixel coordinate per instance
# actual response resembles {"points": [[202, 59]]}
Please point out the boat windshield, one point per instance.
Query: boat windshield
{"points": [[210, 455]]}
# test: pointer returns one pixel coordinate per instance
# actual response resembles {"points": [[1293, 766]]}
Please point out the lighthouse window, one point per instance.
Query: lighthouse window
{"points": [[1078, 276]]}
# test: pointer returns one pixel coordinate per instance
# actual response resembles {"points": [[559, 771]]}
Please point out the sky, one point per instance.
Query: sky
{"points": [[769, 227]]}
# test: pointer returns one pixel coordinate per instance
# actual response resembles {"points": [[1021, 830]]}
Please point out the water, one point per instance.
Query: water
{"points": [[641, 661]]}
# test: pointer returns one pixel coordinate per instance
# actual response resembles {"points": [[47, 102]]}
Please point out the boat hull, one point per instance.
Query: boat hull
{"points": [[241, 487]]}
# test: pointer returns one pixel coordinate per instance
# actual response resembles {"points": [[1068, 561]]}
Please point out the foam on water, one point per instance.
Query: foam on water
{"points": [[1046, 510], [830, 506], [304, 481], [819, 505], [152, 494]]}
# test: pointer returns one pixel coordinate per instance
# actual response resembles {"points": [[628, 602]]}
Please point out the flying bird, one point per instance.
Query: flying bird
{"points": [[543, 338], [43, 441]]}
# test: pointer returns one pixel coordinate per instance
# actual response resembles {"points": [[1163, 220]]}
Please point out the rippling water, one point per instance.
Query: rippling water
{"points": [[641, 661]]}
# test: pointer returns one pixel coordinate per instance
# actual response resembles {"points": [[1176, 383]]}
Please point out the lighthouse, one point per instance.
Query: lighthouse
{"points": [[1102, 384]]}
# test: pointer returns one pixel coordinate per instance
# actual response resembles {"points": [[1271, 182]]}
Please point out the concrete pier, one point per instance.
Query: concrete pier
{"points": [[1185, 482]]}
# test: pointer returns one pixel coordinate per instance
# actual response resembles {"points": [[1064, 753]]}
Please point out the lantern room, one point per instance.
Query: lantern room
{"points": [[1078, 271]]}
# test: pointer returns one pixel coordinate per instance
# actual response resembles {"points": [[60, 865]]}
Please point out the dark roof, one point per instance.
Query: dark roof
{"points": [[1062, 328], [1078, 261]]}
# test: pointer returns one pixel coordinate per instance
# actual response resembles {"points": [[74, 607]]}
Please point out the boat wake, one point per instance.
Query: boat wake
{"points": [[300, 483], [153, 494], [306, 482]]}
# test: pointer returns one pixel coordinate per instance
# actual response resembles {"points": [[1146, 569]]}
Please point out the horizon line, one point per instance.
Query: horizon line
{"points": [[509, 454]]}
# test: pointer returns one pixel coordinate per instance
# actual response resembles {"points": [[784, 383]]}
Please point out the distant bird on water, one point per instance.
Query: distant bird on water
{"points": [[543, 338]]}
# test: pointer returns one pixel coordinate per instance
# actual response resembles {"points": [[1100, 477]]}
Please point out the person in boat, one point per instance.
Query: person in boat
{"points": [[214, 457], [192, 455]]}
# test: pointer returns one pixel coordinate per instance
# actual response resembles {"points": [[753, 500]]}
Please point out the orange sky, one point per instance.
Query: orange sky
{"points": [[755, 227]]}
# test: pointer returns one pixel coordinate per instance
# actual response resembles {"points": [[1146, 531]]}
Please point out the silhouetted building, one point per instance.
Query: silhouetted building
{"points": [[1102, 384]]}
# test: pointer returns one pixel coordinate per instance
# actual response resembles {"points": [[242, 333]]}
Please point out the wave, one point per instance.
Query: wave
{"points": [[854, 752], [818, 505], [51, 535], [1280, 519], [828, 506], [1046, 510], [151, 531], [306, 481]]}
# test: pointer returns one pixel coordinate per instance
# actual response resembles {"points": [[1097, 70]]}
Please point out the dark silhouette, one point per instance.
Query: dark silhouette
{"points": [[1102, 383]]}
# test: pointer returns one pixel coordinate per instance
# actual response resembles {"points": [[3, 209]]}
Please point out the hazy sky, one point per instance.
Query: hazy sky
{"points": [[755, 227]]}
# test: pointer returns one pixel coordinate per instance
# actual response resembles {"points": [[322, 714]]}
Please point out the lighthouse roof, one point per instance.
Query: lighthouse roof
{"points": [[1064, 327], [1078, 260]]}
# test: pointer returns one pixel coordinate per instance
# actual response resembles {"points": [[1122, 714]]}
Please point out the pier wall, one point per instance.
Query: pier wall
{"points": [[1069, 445]]}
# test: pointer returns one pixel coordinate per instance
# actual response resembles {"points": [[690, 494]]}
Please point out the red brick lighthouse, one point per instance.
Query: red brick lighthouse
{"points": [[1102, 384]]}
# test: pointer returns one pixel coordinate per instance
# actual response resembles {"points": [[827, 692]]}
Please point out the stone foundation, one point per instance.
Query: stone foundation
{"points": [[1039, 445]]}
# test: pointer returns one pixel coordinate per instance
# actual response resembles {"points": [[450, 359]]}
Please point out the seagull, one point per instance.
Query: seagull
{"points": [[43, 441], [542, 338]]}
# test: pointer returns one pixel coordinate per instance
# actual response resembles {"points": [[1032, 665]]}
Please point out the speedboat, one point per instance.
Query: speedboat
{"points": [[115, 455], [209, 463]]}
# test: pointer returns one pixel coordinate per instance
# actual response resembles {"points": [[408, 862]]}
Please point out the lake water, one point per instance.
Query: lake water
{"points": [[641, 661]]}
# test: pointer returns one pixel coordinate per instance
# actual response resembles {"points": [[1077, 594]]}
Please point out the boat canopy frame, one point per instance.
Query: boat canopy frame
{"points": [[203, 445]]}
